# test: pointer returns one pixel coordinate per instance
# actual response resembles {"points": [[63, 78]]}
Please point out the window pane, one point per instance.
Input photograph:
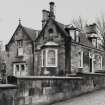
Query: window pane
{"points": [[94, 42], [20, 51], [19, 43], [72, 34], [17, 67], [77, 36], [22, 67], [44, 58], [51, 57]]}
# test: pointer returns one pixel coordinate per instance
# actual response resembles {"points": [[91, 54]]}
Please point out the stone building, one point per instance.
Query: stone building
{"points": [[20, 51], [57, 49]]}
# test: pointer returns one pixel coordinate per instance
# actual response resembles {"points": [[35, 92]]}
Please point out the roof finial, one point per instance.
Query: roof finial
{"points": [[20, 21]]}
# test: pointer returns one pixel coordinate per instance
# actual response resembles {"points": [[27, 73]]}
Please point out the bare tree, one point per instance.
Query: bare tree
{"points": [[101, 29], [79, 23], [2, 55]]}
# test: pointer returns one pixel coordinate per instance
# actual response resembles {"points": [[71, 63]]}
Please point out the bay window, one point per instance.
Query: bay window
{"points": [[49, 57]]}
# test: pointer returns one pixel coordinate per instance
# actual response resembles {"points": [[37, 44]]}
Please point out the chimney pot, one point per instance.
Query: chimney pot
{"points": [[52, 10], [45, 17]]}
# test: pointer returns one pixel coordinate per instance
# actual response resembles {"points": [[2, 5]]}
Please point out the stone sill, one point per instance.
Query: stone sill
{"points": [[48, 78]]}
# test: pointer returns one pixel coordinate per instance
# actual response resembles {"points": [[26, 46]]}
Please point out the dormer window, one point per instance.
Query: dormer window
{"points": [[20, 47], [93, 39], [77, 38], [72, 34], [94, 42]]}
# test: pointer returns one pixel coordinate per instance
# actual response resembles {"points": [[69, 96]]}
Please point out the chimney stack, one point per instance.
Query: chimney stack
{"points": [[45, 17], [48, 14], [52, 10]]}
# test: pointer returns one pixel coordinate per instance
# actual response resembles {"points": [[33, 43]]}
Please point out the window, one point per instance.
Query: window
{"points": [[72, 34], [22, 67], [20, 47], [98, 62], [81, 59], [20, 43], [51, 57], [50, 33], [20, 52], [43, 57], [77, 36], [94, 42], [19, 69]]}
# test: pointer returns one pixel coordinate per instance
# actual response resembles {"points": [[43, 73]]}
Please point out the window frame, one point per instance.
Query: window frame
{"points": [[44, 58], [56, 58], [19, 43], [100, 60], [20, 69], [81, 59], [20, 48]]}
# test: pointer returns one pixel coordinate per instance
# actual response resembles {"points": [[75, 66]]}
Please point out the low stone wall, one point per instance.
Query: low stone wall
{"points": [[7, 94], [47, 90]]}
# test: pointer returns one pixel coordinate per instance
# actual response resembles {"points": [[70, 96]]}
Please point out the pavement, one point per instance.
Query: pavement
{"points": [[94, 98]]}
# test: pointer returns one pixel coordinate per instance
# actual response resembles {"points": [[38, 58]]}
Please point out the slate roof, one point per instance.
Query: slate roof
{"points": [[84, 40], [83, 36], [61, 27], [31, 33]]}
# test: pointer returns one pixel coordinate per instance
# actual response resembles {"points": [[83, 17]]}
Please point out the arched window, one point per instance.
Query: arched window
{"points": [[51, 57]]}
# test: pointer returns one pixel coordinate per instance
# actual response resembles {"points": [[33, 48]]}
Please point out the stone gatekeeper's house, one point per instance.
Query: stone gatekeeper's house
{"points": [[56, 49]]}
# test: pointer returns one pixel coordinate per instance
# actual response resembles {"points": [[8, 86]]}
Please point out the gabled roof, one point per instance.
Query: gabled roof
{"points": [[31, 33], [83, 38], [60, 26]]}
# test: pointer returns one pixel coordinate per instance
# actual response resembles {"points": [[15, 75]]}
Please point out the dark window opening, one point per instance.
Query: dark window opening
{"points": [[17, 67], [22, 67], [20, 43], [50, 34]]}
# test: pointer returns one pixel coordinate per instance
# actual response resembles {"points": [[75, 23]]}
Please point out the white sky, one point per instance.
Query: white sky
{"points": [[30, 12]]}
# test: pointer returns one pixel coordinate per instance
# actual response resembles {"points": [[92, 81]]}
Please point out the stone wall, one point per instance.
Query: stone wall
{"points": [[47, 90], [7, 94]]}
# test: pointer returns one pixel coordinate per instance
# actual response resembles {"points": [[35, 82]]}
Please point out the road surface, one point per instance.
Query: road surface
{"points": [[94, 98]]}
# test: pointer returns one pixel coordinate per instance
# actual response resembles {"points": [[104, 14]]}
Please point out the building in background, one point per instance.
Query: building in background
{"points": [[57, 49]]}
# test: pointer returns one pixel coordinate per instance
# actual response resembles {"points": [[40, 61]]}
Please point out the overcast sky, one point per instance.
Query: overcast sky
{"points": [[30, 12]]}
